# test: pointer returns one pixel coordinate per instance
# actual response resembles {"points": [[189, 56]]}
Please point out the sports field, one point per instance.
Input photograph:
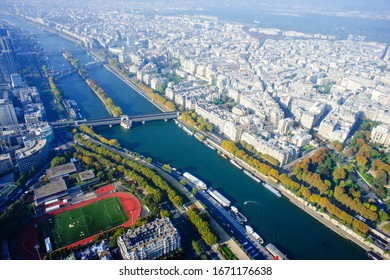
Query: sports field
{"points": [[74, 225]]}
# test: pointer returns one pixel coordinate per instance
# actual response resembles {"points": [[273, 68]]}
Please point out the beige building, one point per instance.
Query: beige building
{"points": [[381, 135], [150, 241]]}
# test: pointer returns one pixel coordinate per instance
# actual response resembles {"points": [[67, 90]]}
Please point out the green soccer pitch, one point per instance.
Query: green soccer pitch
{"points": [[74, 225]]}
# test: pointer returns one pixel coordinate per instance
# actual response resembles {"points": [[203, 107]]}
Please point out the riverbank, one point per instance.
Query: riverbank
{"points": [[140, 91], [332, 224], [223, 236], [108, 103], [323, 218], [145, 140]]}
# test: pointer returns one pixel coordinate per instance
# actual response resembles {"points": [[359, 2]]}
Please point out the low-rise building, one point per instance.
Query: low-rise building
{"points": [[61, 170], [53, 190]]}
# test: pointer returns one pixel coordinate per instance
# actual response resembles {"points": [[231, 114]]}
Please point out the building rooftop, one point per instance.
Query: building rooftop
{"points": [[49, 189], [5, 156], [86, 175], [148, 233], [61, 170], [6, 190], [31, 148]]}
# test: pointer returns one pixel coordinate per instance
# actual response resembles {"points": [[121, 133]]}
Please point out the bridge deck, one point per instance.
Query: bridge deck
{"points": [[117, 120]]}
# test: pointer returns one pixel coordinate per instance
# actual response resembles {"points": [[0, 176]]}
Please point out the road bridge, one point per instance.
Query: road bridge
{"points": [[63, 73], [124, 120]]}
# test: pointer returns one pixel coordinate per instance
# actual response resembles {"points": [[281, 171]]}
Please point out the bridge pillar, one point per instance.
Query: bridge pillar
{"points": [[126, 122]]}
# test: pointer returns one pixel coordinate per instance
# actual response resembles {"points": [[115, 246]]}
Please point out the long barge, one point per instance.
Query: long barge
{"points": [[219, 198], [252, 176], [272, 189], [198, 183], [235, 164]]}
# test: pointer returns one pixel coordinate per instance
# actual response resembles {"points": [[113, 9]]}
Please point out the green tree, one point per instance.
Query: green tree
{"points": [[383, 216], [57, 161], [361, 160], [101, 175], [203, 227], [167, 168], [164, 214], [196, 247], [339, 173], [114, 238]]}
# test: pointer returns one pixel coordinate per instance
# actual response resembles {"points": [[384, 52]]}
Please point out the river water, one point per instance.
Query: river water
{"points": [[275, 219]]}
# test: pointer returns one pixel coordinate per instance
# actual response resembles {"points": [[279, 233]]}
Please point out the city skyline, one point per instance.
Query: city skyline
{"points": [[304, 115]]}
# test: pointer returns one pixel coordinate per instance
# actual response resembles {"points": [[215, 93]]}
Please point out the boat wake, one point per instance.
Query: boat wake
{"points": [[252, 202]]}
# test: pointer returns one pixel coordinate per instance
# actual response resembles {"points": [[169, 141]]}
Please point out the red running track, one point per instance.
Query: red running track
{"points": [[105, 189], [30, 236]]}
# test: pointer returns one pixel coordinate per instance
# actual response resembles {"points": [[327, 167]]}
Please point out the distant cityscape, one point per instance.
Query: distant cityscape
{"points": [[323, 82], [278, 103]]}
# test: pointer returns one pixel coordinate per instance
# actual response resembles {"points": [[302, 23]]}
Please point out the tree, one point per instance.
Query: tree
{"points": [[210, 127], [114, 238], [160, 89], [203, 227], [360, 227], [338, 147], [349, 152], [183, 181], [57, 161], [339, 173], [167, 168], [87, 160], [101, 175], [164, 214], [196, 247], [305, 192], [380, 178], [361, 160]]}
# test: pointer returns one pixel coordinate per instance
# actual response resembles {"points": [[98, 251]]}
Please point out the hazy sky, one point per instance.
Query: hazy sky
{"points": [[329, 5], [363, 5]]}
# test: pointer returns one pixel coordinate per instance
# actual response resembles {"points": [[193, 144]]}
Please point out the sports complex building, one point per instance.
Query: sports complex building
{"points": [[51, 192]]}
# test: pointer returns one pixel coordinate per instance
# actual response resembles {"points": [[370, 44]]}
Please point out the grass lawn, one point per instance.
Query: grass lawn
{"points": [[308, 148], [7, 190], [227, 253], [80, 223]]}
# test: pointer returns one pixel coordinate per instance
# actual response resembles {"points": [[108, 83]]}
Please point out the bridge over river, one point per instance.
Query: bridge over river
{"points": [[124, 120]]}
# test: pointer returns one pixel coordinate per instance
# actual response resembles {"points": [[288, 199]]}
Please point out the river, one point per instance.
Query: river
{"points": [[275, 219]]}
